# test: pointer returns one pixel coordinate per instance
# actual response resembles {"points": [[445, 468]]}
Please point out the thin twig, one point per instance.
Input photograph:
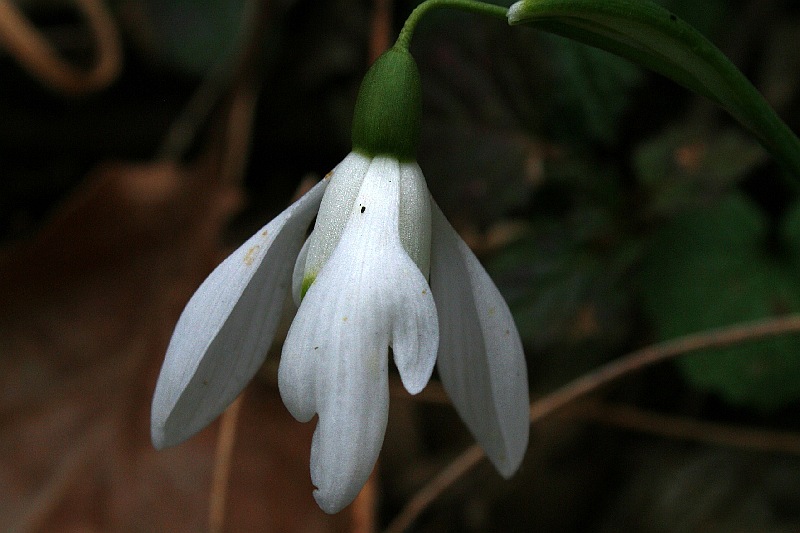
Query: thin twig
{"points": [[362, 511], [240, 76], [592, 382], [682, 428], [430, 492], [433, 393], [635, 361], [380, 28], [226, 438], [36, 512], [238, 134], [217, 83], [36, 55]]}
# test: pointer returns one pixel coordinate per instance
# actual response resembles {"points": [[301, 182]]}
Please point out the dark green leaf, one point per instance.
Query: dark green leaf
{"points": [[710, 268], [593, 86], [684, 168], [651, 36]]}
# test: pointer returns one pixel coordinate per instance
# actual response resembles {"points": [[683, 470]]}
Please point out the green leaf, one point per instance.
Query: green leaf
{"points": [[790, 237], [193, 35], [567, 282], [593, 88], [708, 17], [684, 167], [651, 36], [710, 268]]}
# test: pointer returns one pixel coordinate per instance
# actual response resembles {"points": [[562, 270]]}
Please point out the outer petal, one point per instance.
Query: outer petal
{"points": [[223, 335], [369, 295], [480, 362]]}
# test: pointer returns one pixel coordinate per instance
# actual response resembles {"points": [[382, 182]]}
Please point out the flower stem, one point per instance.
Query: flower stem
{"points": [[472, 6]]}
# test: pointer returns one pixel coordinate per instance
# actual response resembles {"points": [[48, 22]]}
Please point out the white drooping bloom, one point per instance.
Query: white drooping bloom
{"points": [[367, 261], [361, 281]]}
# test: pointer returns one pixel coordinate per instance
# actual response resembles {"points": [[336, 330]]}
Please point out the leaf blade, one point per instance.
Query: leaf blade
{"points": [[652, 36]]}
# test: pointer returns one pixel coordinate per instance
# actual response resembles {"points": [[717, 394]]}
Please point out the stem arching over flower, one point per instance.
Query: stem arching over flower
{"points": [[472, 6]]}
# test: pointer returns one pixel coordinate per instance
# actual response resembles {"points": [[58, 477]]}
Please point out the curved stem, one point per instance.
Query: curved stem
{"points": [[472, 6]]}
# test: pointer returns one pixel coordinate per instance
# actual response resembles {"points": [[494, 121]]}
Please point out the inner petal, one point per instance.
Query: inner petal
{"points": [[368, 295], [336, 207]]}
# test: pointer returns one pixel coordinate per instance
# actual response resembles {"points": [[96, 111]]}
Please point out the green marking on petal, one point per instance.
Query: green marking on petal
{"points": [[308, 280]]}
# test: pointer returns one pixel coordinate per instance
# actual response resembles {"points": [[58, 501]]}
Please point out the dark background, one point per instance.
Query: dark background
{"points": [[613, 208]]}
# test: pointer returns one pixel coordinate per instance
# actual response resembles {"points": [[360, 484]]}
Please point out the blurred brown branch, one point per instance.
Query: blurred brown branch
{"points": [[683, 428], [226, 438], [36, 55], [380, 28], [594, 381]]}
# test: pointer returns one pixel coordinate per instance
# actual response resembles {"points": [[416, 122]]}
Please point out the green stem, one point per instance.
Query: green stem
{"points": [[472, 6]]}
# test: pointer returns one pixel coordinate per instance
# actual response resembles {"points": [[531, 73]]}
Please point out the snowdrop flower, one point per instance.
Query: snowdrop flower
{"points": [[361, 283]]}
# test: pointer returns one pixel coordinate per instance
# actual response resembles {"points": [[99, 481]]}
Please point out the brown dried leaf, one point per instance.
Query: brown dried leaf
{"points": [[87, 310]]}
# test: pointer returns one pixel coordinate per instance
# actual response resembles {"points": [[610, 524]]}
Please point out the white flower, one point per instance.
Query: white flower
{"points": [[362, 275]]}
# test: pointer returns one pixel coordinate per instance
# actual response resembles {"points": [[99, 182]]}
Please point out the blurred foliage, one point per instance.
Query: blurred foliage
{"points": [[592, 90], [675, 490], [685, 167], [568, 279], [707, 17], [711, 267], [607, 169], [189, 35]]}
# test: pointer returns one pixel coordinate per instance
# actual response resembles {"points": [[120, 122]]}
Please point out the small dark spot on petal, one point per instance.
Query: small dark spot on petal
{"points": [[316, 347], [363, 208]]}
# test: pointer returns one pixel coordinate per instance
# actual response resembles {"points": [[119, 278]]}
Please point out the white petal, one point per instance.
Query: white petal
{"points": [[415, 216], [368, 296], [480, 362], [346, 180], [353, 399], [223, 335]]}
